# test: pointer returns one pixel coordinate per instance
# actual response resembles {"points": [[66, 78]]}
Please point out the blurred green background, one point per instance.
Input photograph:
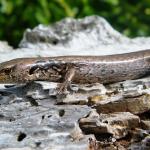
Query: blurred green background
{"points": [[130, 17]]}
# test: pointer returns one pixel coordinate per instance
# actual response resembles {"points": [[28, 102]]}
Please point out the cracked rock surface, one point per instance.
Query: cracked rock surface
{"points": [[116, 125], [90, 117]]}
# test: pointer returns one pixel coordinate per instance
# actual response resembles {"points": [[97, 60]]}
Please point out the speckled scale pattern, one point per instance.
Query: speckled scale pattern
{"points": [[88, 69]]}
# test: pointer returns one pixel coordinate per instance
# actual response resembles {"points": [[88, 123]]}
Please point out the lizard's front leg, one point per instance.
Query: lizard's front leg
{"points": [[67, 80]]}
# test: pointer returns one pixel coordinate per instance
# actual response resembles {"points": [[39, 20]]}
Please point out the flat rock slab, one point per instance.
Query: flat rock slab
{"points": [[128, 96], [134, 105]]}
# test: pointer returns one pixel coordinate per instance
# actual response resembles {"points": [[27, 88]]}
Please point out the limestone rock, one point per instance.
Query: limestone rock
{"points": [[135, 105], [143, 145], [82, 36], [45, 125], [31, 115], [25, 148], [115, 124], [4, 47], [145, 124], [91, 35], [131, 96], [82, 94]]}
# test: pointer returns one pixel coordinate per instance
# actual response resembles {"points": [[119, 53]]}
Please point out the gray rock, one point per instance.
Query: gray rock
{"points": [[4, 47], [25, 148], [40, 126], [145, 124], [135, 105], [115, 124], [143, 145], [29, 116], [71, 31], [88, 36], [82, 94], [132, 96]]}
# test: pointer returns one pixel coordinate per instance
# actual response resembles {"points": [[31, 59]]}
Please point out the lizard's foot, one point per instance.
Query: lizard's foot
{"points": [[62, 92]]}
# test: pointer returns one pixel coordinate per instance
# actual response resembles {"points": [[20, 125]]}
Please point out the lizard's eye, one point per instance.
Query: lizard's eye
{"points": [[7, 71]]}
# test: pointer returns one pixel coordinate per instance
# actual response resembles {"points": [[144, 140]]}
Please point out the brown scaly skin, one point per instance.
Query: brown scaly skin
{"points": [[77, 69]]}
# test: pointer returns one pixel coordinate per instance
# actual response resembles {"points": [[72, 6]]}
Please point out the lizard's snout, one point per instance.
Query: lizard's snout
{"points": [[5, 73], [2, 77]]}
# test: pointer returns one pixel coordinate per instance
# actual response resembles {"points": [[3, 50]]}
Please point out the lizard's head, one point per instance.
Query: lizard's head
{"points": [[12, 71], [15, 71], [26, 69]]}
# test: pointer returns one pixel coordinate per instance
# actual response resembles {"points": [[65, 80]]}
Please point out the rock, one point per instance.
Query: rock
{"points": [[83, 36], [5, 51], [131, 96], [96, 145], [25, 148], [146, 142], [143, 145], [135, 105], [32, 117], [77, 133], [83, 94], [4, 47], [28, 125], [115, 124], [93, 144], [69, 32], [145, 124], [86, 36], [36, 90], [131, 88]]}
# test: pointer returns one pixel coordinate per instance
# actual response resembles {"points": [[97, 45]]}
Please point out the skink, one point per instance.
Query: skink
{"points": [[77, 69]]}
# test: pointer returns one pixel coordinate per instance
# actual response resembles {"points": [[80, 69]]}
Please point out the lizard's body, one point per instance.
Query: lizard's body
{"points": [[77, 69]]}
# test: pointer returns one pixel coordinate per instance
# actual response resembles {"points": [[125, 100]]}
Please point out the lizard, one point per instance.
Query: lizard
{"points": [[77, 69]]}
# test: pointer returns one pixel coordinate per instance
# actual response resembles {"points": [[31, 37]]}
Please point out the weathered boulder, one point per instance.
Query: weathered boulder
{"points": [[91, 35]]}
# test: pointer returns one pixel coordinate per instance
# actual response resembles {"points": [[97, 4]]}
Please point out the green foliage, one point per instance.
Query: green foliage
{"points": [[130, 17]]}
